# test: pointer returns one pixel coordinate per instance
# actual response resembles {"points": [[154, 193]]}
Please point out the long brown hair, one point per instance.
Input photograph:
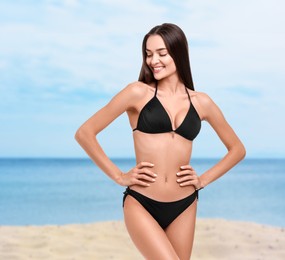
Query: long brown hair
{"points": [[177, 47]]}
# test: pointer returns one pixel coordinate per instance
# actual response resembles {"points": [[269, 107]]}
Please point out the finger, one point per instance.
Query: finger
{"points": [[145, 164], [134, 180], [141, 183], [195, 182], [187, 183], [186, 178], [146, 171], [145, 177], [187, 166], [185, 172]]}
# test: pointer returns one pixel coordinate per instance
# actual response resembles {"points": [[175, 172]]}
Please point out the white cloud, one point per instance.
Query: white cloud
{"points": [[73, 48], [68, 38]]}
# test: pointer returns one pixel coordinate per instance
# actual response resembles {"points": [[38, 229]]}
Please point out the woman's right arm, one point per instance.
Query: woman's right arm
{"points": [[86, 137]]}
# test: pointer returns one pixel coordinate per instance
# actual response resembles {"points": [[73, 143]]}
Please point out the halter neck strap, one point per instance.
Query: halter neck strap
{"points": [[187, 93], [155, 90]]}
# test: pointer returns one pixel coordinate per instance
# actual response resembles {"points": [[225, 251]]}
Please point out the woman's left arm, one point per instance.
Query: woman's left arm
{"points": [[236, 150]]}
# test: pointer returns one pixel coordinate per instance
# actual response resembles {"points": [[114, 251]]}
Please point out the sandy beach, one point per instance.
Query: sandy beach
{"points": [[214, 239]]}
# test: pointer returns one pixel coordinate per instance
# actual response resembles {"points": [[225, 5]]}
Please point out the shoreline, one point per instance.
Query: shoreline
{"points": [[214, 239], [98, 222]]}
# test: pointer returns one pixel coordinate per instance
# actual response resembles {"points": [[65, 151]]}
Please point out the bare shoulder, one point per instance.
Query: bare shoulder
{"points": [[202, 98], [138, 89], [133, 95], [203, 103]]}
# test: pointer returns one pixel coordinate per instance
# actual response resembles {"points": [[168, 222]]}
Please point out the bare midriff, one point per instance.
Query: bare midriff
{"points": [[168, 152]]}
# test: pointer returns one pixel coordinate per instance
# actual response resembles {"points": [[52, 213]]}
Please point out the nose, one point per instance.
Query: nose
{"points": [[154, 59]]}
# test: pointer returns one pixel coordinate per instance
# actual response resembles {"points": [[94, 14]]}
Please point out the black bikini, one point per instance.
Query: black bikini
{"points": [[154, 119], [163, 212]]}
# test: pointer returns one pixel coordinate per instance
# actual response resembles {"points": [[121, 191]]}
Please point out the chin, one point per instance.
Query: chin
{"points": [[158, 77]]}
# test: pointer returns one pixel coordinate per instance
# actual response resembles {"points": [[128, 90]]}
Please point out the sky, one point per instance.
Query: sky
{"points": [[61, 61]]}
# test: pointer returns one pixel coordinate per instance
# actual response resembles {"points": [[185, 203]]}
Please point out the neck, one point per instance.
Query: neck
{"points": [[170, 85]]}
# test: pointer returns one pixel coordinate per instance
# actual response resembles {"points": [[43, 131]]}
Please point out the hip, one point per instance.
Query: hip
{"points": [[164, 191]]}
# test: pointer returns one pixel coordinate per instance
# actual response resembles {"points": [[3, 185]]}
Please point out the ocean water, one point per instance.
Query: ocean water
{"points": [[63, 191]]}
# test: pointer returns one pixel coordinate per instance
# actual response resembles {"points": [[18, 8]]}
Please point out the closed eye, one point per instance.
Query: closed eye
{"points": [[161, 55]]}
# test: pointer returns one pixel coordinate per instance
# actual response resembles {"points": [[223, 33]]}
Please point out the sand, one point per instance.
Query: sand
{"points": [[214, 239]]}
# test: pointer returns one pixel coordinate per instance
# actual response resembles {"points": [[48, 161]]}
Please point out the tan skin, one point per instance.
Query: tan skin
{"points": [[163, 171]]}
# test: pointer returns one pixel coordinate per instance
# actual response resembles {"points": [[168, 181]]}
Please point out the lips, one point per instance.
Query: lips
{"points": [[157, 69]]}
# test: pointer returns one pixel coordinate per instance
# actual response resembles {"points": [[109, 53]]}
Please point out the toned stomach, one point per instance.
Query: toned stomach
{"points": [[167, 151]]}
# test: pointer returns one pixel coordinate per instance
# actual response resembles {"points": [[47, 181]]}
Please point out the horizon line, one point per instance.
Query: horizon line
{"points": [[124, 158]]}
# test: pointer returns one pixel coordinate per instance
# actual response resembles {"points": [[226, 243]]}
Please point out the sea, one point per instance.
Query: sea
{"points": [[56, 191]]}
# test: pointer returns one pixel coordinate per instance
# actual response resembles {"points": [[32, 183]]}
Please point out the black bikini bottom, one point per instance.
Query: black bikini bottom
{"points": [[163, 212]]}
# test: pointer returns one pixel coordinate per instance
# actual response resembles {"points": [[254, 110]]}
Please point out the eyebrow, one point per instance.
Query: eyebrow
{"points": [[160, 49]]}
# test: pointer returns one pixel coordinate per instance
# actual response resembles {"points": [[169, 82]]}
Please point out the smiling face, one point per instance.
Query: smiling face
{"points": [[158, 59]]}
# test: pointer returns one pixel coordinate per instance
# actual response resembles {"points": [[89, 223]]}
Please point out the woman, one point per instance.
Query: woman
{"points": [[165, 114]]}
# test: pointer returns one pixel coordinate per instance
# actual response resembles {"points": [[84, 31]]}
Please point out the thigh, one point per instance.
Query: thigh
{"points": [[181, 232], [147, 235]]}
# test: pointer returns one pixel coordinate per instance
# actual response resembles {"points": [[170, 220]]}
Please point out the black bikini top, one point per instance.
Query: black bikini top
{"points": [[154, 119]]}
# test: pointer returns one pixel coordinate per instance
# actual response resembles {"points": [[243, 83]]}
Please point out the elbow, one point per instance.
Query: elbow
{"points": [[84, 135], [80, 135], [241, 151], [238, 151]]}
